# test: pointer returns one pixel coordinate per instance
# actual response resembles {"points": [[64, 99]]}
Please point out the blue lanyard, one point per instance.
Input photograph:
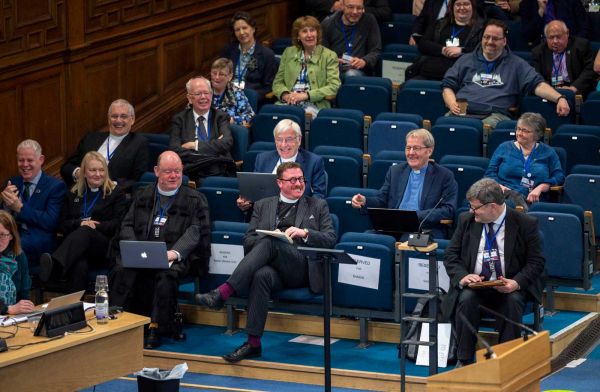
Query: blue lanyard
{"points": [[241, 72], [489, 66], [108, 153], [527, 162], [161, 211], [489, 242], [348, 42], [556, 68], [456, 33], [199, 134], [303, 74], [87, 211]]}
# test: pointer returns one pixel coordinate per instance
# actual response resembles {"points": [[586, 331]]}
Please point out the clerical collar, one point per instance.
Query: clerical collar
{"points": [[93, 189], [166, 193], [286, 200], [421, 170]]}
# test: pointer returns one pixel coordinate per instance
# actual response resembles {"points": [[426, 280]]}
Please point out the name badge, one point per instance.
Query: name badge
{"points": [[299, 87], [453, 42], [557, 80], [346, 58], [527, 182], [158, 221]]}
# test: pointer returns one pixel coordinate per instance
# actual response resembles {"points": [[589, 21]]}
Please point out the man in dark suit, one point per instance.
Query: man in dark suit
{"points": [[126, 152], [417, 185], [565, 61], [537, 13], [35, 200], [320, 9], [432, 11], [491, 242], [288, 137], [201, 133], [270, 263], [178, 216]]}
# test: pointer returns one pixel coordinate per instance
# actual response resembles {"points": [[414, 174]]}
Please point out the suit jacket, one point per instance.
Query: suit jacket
{"points": [[220, 142], [312, 166], [312, 214], [439, 182], [259, 77], [571, 12], [523, 259], [39, 217], [109, 211], [579, 60], [427, 17], [129, 162]]}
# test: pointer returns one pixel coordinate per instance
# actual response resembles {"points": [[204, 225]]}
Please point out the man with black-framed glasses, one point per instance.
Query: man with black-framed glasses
{"points": [[492, 243], [271, 264]]}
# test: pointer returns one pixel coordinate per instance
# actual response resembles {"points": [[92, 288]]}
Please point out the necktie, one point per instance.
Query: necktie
{"points": [[486, 271], [26, 194], [201, 129]]}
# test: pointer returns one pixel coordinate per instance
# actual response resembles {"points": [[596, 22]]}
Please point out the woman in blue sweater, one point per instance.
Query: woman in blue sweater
{"points": [[526, 165]]}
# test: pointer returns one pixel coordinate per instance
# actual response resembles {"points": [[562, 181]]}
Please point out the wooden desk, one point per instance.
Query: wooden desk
{"points": [[78, 360]]}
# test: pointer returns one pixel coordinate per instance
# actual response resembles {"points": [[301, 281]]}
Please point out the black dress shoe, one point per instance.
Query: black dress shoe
{"points": [[46, 265], [243, 352], [153, 339], [212, 299]]}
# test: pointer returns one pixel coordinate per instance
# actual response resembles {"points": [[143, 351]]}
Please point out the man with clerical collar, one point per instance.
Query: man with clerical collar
{"points": [[354, 36], [170, 213], [417, 185], [201, 134], [271, 264], [126, 152], [35, 200], [492, 79], [565, 61], [491, 242]]}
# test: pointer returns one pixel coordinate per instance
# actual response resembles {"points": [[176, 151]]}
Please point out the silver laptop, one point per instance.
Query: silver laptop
{"points": [[256, 186], [55, 303], [144, 254]]}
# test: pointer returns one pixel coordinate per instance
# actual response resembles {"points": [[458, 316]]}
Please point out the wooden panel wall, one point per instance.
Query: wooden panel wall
{"points": [[63, 62]]}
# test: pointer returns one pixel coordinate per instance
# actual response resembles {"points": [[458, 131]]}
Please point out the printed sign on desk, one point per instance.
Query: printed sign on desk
{"points": [[224, 258]]}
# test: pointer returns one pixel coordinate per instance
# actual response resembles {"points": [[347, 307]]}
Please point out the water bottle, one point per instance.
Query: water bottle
{"points": [[101, 299]]}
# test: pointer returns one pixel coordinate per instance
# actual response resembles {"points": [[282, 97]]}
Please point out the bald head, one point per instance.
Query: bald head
{"points": [[169, 171], [557, 36]]}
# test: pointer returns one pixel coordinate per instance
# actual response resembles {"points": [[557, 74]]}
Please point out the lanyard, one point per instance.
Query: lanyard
{"points": [[489, 66], [557, 67], [241, 72], [200, 135], [108, 153], [489, 242], [527, 162], [349, 42], [162, 211], [456, 33], [87, 211]]}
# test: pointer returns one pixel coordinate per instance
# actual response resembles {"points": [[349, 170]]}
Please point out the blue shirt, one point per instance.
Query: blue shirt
{"points": [[412, 194]]}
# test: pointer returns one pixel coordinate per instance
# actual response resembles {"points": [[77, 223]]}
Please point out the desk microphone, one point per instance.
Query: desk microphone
{"points": [[420, 238], [503, 317], [489, 352]]}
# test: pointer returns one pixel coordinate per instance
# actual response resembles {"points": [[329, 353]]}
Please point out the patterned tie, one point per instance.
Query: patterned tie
{"points": [[201, 129], [26, 194], [486, 271]]}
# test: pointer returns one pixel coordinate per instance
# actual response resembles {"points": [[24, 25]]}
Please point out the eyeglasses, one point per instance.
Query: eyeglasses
{"points": [[415, 148], [220, 74], [5, 236], [119, 116], [293, 180], [524, 130], [287, 140], [476, 208], [462, 5], [356, 8], [492, 38], [201, 93], [171, 171]]}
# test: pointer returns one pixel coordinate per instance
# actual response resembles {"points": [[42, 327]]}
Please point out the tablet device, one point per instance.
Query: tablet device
{"points": [[393, 221], [144, 254], [256, 186]]}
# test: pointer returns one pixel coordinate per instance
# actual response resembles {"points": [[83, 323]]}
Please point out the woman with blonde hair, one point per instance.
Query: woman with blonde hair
{"points": [[15, 281], [90, 218]]}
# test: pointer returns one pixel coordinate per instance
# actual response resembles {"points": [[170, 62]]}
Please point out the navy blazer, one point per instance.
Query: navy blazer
{"points": [[439, 182], [312, 166], [39, 217]]}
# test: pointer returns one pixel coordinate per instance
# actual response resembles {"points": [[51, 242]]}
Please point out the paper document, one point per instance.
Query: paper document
{"points": [[277, 234], [315, 340]]}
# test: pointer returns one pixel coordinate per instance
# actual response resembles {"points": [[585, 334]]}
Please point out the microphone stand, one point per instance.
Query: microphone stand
{"points": [[489, 352], [504, 318]]}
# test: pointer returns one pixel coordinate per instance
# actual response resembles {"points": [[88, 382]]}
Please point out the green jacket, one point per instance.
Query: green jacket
{"points": [[323, 74]]}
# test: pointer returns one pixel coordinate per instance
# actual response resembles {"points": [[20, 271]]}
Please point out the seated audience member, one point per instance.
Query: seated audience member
{"points": [[535, 14], [178, 216], [15, 281], [270, 264], [448, 39], [431, 11], [354, 36], [201, 134], [34, 199], [492, 79], [491, 242], [501, 9], [597, 69], [308, 72], [320, 9], [126, 152], [254, 64], [288, 137], [526, 168], [91, 215], [564, 61], [417, 185], [226, 96]]}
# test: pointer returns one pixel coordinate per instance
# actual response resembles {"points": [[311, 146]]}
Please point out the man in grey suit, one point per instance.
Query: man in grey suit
{"points": [[272, 264], [491, 242]]}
